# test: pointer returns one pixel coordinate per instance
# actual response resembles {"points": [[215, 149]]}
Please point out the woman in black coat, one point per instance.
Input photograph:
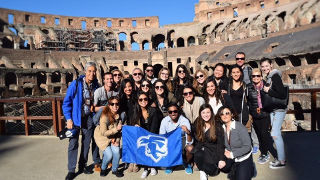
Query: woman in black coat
{"points": [[149, 118], [209, 148]]}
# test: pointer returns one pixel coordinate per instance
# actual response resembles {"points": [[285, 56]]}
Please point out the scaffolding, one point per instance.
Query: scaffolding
{"points": [[80, 40]]}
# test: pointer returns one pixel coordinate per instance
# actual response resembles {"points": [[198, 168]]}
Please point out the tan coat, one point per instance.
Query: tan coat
{"points": [[103, 134], [192, 110]]}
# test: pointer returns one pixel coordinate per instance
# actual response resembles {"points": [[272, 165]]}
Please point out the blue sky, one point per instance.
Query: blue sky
{"points": [[169, 11]]}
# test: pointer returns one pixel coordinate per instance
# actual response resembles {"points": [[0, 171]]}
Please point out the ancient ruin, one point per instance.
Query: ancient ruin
{"points": [[40, 53]]}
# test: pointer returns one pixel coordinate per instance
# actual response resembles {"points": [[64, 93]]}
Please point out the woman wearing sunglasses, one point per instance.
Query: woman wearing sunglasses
{"points": [[209, 149], [238, 158], [161, 96], [199, 78], [149, 118], [191, 103], [261, 119], [117, 78], [182, 78], [107, 136]]}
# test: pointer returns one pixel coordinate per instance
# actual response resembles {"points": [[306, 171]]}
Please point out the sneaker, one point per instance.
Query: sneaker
{"points": [[103, 173], [255, 150], [168, 171], [117, 173], [153, 172], [70, 176], [144, 174], [275, 161], [277, 165], [263, 159], [203, 175], [188, 169]]}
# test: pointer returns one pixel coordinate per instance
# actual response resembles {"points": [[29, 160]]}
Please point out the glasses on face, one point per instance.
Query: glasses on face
{"points": [[149, 70], [159, 87], [226, 113], [143, 99], [115, 75], [137, 74], [181, 71], [174, 111], [188, 93], [145, 85], [200, 76], [253, 76], [240, 58], [114, 104]]}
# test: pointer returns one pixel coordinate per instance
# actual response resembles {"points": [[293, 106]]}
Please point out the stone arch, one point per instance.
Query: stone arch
{"points": [[122, 36], [69, 77], [280, 61], [145, 45], [157, 40], [191, 41], [134, 37], [56, 77], [170, 36], [180, 42], [7, 42], [10, 78]]}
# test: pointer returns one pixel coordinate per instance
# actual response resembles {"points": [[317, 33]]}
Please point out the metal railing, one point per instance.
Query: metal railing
{"points": [[26, 111]]}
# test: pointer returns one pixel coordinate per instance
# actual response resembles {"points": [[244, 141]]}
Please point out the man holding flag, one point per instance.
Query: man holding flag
{"points": [[172, 122]]}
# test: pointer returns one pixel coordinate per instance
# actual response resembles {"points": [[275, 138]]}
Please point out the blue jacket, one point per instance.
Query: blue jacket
{"points": [[72, 103]]}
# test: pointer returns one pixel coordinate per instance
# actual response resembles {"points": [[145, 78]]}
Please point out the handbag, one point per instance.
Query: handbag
{"points": [[270, 103]]}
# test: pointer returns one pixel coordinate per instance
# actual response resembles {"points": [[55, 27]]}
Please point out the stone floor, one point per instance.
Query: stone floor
{"points": [[45, 157]]}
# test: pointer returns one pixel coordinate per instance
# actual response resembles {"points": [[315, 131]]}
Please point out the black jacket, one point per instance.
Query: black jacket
{"points": [[152, 124], [253, 103]]}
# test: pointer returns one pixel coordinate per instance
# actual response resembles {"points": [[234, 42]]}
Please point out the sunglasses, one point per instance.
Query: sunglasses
{"points": [[137, 74], [181, 71], [240, 58], [174, 111], [145, 85], [149, 70], [188, 93], [115, 75], [253, 76], [159, 87], [143, 99], [226, 113], [114, 104], [200, 76]]}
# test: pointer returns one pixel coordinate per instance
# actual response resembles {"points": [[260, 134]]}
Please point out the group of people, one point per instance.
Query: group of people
{"points": [[216, 113]]}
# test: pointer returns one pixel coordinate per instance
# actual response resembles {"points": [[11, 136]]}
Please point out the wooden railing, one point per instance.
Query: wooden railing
{"points": [[59, 124], [56, 117]]}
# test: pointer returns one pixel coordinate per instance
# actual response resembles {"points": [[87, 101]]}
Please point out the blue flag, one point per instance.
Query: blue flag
{"points": [[145, 148]]}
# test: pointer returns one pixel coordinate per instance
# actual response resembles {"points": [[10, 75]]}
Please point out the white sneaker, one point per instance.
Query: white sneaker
{"points": [[153, 172], [203, 175], [144, 174]]}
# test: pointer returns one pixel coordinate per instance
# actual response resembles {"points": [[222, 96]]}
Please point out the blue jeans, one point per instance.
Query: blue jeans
{"points": [[111, 152], [277, 118]]}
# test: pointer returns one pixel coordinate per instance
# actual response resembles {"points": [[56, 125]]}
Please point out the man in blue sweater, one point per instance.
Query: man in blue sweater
{"points": [[78, 111]]}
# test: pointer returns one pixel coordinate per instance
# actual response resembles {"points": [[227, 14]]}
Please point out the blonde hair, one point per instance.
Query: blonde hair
{"points": [[256, 70]]}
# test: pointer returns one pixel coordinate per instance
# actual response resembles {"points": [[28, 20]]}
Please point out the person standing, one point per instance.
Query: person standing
{"points": [[274, 87], [78, 111], [137, 77], [103, 93], [149, 74], [247, 71]]}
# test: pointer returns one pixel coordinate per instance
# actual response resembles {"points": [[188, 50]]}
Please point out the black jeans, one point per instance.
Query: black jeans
{"points": [[261, 126], [87, 136], [243, 170]]}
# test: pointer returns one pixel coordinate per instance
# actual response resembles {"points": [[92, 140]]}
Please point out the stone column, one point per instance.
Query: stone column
{"points": [[196, 41], [185, 42], [304, 61]]}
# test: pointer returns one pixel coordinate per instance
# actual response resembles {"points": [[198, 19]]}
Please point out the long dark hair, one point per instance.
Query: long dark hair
{"points": [[107, 111], [123, 97], [137, 113], [200, 125], [165, 92], [230, 72], [224, 69], [217, 92], [188, 78]]}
